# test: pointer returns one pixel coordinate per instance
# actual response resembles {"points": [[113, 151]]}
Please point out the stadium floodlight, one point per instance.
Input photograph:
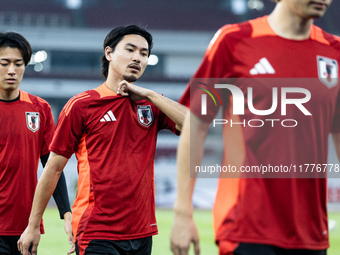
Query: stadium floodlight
{"points": [[239, 7], [256, 5], [73, 4], [40, 56], [153, 60], [38, 67], [37, 59]]}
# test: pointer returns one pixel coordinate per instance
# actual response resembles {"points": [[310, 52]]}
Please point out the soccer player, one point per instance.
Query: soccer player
{"points": [[27, 128], [265, 216], [113, 130]]}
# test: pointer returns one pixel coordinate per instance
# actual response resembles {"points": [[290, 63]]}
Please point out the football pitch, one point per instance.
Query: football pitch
{"points": [[54, 241]]}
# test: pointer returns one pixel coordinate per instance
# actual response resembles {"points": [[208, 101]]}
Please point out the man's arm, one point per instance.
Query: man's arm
{"points": [[189, 153], [60, 193], [336, 141], [61, 198], [175, 111], [46, 185]]}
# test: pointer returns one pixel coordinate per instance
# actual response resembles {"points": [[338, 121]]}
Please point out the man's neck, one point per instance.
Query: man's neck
{"points": [[113, 82], [288, 25], [112, 85], [9, 96]]}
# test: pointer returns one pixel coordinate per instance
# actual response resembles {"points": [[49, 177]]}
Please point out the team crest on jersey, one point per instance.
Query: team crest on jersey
{"points": [[328, 71], [33, 121], [144, 114]]}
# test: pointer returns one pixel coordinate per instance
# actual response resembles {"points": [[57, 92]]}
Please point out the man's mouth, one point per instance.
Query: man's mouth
{"points": [[135, 67], [319, 5], [11, 80]]}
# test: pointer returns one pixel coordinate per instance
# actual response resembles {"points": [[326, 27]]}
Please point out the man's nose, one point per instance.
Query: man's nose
{"points": [[136, 57], [11, 69]]}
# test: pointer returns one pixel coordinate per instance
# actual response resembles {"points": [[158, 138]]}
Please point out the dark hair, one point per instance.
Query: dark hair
{"points": [[116, 35], [15, 40]]}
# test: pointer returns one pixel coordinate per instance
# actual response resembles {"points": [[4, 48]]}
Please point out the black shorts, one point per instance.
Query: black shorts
{"points": [[260, 249], [8, 245], [142, 246]]}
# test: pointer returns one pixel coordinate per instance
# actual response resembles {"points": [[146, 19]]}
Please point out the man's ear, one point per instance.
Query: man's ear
{"points": [[108, 52]]}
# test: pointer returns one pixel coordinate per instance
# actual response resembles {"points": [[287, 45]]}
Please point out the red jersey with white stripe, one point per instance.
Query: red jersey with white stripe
{"points": [[114, 139], [26, 130], [289, 212]]}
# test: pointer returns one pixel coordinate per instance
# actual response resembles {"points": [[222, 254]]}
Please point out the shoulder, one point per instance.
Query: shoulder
{"points": [[245, 29], [81, 100], [229, 31], [34, 100], [323, 37], [232, 34], [84, 97]]}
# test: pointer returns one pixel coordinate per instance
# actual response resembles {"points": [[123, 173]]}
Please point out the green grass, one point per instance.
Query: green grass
{"points": [[335, 235], [54, 242]]}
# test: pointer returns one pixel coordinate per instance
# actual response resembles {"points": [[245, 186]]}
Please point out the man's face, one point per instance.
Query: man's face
{"points": [[130, 58], [12, 70], [308, 8]]}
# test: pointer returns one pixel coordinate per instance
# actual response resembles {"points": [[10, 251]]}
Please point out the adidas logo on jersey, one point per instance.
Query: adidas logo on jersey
{"points": [[262, 67], [108, 117]]}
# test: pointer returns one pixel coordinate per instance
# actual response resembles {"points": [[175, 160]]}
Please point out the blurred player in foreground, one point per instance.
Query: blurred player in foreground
{"points": [[113, 131], [266, 216], [27, 128]]}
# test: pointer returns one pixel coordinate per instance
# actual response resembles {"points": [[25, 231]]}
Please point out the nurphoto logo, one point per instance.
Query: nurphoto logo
{"points": [[244, 100]]}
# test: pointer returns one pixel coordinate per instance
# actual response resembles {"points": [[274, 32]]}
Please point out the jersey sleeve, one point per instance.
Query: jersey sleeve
{"points": [[49, 128], [70, 127], [216, 64], [166, 123]]}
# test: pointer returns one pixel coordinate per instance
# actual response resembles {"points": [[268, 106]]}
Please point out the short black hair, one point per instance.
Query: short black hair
{"points": [[15, 40], [116, 35]]}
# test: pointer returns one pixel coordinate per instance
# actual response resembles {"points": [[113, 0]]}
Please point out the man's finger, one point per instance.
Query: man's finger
{"points": [[122, 90], [19, 244], [183, 251], [34, 249], [177, 250], [72, 250], [173, 248], [70, 237], [24, 249], [196, 247]]}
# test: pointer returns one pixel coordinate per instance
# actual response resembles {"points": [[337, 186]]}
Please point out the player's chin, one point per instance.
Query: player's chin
{"points": [[10, 87], [317, 14], [130, 78]]}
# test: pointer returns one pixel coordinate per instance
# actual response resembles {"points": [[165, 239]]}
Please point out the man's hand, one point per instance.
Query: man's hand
{"points": [[68, 231], [183, 233], [136, 93], [30, 237]]}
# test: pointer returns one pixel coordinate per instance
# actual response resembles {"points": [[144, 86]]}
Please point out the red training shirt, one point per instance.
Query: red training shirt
{"points": [[26, 130], [290, 212], [114, 139]]}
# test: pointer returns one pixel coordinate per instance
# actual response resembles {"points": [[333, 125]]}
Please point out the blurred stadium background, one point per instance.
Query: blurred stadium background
{"points": [[67, 37]]}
